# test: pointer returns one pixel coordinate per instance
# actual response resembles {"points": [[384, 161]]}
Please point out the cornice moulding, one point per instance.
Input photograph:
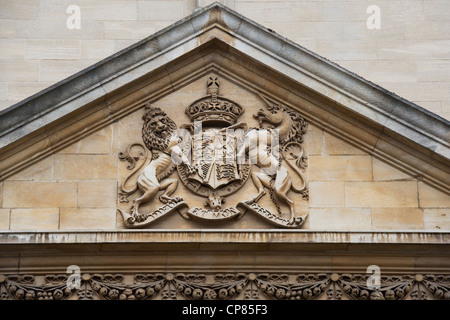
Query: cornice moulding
{"points": [[226, 236]]}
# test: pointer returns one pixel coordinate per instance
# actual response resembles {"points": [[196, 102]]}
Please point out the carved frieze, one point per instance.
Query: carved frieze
{"points": [[214, 156], [224, 286]]}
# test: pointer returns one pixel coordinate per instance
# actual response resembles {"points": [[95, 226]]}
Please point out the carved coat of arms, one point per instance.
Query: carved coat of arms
{"points": [[213, 156]]}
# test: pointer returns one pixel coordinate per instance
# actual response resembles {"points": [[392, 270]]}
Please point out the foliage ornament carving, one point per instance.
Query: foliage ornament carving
{"points": [[225, 286], [213, 156]]}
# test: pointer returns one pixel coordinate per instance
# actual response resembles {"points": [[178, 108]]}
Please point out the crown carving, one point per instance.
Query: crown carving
{"points": [[212, 109]]}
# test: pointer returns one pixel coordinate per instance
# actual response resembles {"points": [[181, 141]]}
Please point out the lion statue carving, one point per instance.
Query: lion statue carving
{"points": [[159, 138]]}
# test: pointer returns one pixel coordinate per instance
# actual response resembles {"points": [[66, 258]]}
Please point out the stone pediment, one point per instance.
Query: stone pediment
{"points": [[370, 169], [167, 73]]}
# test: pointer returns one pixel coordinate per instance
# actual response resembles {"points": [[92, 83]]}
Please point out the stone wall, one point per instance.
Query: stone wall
{"points": [[408, 55], [76, 188]]}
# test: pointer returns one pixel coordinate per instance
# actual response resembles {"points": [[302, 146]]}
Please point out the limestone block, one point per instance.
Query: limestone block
{"points": [[445, 105], [19, 70], [33, 194], [277, 11], [130, 129], [109, 10], [160, 10], [96, 143], [357, 30], [315, 140], [34, 219], [122, 44], [307, 11], [96, 49], [338, 50], [384, 71], [434, 70], [52, 49], [381, 194], [433, 106], [3, 90], [340, 168], [399, 10], [7, 28], [252, 10], [404, 49], [115, 138], [385, 172], [20, 9], [42, 170], [435, 30], [97, 194], [4, 219], [22, 90], [64, 136], [204, 3], [85, 167], [6, 103], [336, 146], [326, 194], [435, 10], [339, 219], [436, 219], [322, 31], [87, 218], [56, 70], [54, 9], [50, 29], [131, 30], [430, 197], [344, 11], [12, 48], [397, 219]]}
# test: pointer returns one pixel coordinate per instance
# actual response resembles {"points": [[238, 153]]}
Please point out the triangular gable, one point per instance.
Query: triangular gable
{"points": [[217, 38]]}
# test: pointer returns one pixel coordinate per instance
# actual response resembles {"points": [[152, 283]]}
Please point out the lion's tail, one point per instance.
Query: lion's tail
{"points": [[133, 160]]}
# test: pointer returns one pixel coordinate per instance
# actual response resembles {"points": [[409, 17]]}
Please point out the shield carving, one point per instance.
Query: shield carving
{"points": [[215, 159], [212, 142]]}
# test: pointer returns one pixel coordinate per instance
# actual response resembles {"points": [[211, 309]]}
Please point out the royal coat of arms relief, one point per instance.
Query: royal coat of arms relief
{"points": [[229, 163]]}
